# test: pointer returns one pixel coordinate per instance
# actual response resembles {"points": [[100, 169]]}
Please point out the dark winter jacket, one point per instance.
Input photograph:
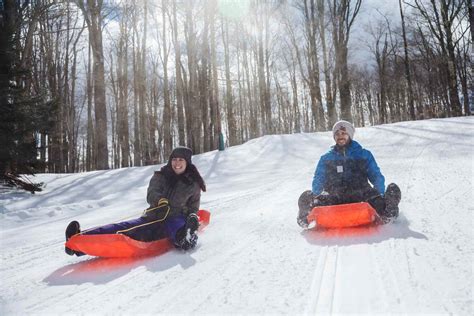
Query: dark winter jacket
{"points": [[182, 191], [346, 170]]}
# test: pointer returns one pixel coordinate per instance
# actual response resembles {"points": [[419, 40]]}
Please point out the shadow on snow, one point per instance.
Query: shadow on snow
{"points": [[362, 235], [104, 270]]}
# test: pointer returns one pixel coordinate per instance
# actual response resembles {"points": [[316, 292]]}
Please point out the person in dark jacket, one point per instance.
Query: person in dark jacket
{"points": [[343, 175], [174, 195]]}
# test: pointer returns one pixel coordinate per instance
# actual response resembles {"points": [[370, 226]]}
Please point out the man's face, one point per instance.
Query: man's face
{"points": [[341, 137], [178, 165]]}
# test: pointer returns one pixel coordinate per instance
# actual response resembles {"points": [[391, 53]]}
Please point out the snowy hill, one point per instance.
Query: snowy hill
{"points": [[253, 258]]}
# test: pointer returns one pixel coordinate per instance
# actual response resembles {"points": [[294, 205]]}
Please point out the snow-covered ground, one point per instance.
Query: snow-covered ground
{"points": [[253, 258]]}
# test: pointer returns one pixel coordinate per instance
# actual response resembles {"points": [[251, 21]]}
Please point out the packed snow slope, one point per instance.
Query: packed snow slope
{"points": [[253, 258]]}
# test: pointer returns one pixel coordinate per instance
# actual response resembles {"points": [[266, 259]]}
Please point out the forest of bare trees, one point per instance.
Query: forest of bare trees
{"points": [[94, 84]]}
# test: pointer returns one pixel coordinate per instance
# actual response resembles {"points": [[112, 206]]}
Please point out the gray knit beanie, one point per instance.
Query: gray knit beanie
{"points": [[343, 126]]}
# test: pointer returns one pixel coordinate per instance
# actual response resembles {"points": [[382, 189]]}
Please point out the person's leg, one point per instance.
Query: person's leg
{"points": [[182, 231], [308, 201], [115, 227], [386, 206], [373, 197], [146, 231], [173, 225]]}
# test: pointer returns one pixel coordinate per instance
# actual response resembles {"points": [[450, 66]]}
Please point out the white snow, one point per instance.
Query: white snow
{"points": [[253, 258]]}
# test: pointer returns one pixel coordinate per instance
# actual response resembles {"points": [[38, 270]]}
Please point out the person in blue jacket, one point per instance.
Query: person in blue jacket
{"points": [[174, 195], [343, 175]]}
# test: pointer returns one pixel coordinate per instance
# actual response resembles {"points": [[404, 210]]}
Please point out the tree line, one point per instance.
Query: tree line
{"points": [[93, 84]]}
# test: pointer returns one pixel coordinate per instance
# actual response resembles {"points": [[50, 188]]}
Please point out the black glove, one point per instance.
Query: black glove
{"points": [[190, 243], [185, 240], [186, 237], [316, 200], [192, 223], [159, 212], [322, 199]]}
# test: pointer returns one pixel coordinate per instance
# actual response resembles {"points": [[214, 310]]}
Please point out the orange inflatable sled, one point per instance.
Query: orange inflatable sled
{"points": [[342, 215], [118, 245]]}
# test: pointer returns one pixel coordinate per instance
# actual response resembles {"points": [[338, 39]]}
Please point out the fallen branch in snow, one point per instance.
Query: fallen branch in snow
{"points": [[21, 181]]}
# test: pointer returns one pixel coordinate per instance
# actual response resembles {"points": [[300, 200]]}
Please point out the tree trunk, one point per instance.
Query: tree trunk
{"points": [[313, 66], [167, 137], [92, 14], [229, 99], [343, 17], [204, 83], [215, 114], [455, 103], [90, 150], [142, 93], [411, 104], [193, 113], [179, 80], [331, 107]]}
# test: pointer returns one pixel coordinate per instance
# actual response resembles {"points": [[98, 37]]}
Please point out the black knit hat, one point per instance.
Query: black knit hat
{"points": [[181, 152]]}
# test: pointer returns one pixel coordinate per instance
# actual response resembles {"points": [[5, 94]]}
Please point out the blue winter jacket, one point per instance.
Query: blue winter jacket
{"points": [[347, 170]]}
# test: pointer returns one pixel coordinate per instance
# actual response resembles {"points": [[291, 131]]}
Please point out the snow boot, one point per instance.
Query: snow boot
{"points": [[72, 229], [305, 204], [393, 196]]}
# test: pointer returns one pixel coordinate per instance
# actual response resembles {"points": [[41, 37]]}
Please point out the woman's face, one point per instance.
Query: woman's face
{"points": [[178, 165]]}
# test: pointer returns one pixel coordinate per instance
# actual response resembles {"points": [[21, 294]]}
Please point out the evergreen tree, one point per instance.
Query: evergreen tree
{"points": [[21, 115]]}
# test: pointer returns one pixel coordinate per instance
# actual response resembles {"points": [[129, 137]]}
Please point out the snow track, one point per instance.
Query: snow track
{"points": [[253, 258]]}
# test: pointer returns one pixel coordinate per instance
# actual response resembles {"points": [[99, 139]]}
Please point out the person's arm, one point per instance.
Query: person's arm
{"points": [[156, 189], [319, 178], [374, 174], [192, 206]]}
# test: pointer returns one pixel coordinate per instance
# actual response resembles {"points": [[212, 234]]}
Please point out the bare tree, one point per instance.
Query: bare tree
{"points": [[330, 85], [215, 113], [92, 11], [121, 89], [178, 77], [411, 103], [343, 14], [192, 110], [440, 17], [229, 99], [167, 137]]}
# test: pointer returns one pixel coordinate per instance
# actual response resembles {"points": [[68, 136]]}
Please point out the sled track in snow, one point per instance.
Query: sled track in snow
{"points": [[387, 281], [323, 283]]}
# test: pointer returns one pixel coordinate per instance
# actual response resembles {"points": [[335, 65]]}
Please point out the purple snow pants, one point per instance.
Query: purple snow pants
{"points": [[143, 229]]}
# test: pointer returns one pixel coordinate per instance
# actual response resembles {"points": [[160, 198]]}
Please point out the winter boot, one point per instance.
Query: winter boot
{"points": [[305, 204], [393, 196], [72, 229]]}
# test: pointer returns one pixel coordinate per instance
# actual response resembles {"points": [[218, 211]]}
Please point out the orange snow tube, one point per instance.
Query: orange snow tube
{"points": [[118, 245], [342, 215]]}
